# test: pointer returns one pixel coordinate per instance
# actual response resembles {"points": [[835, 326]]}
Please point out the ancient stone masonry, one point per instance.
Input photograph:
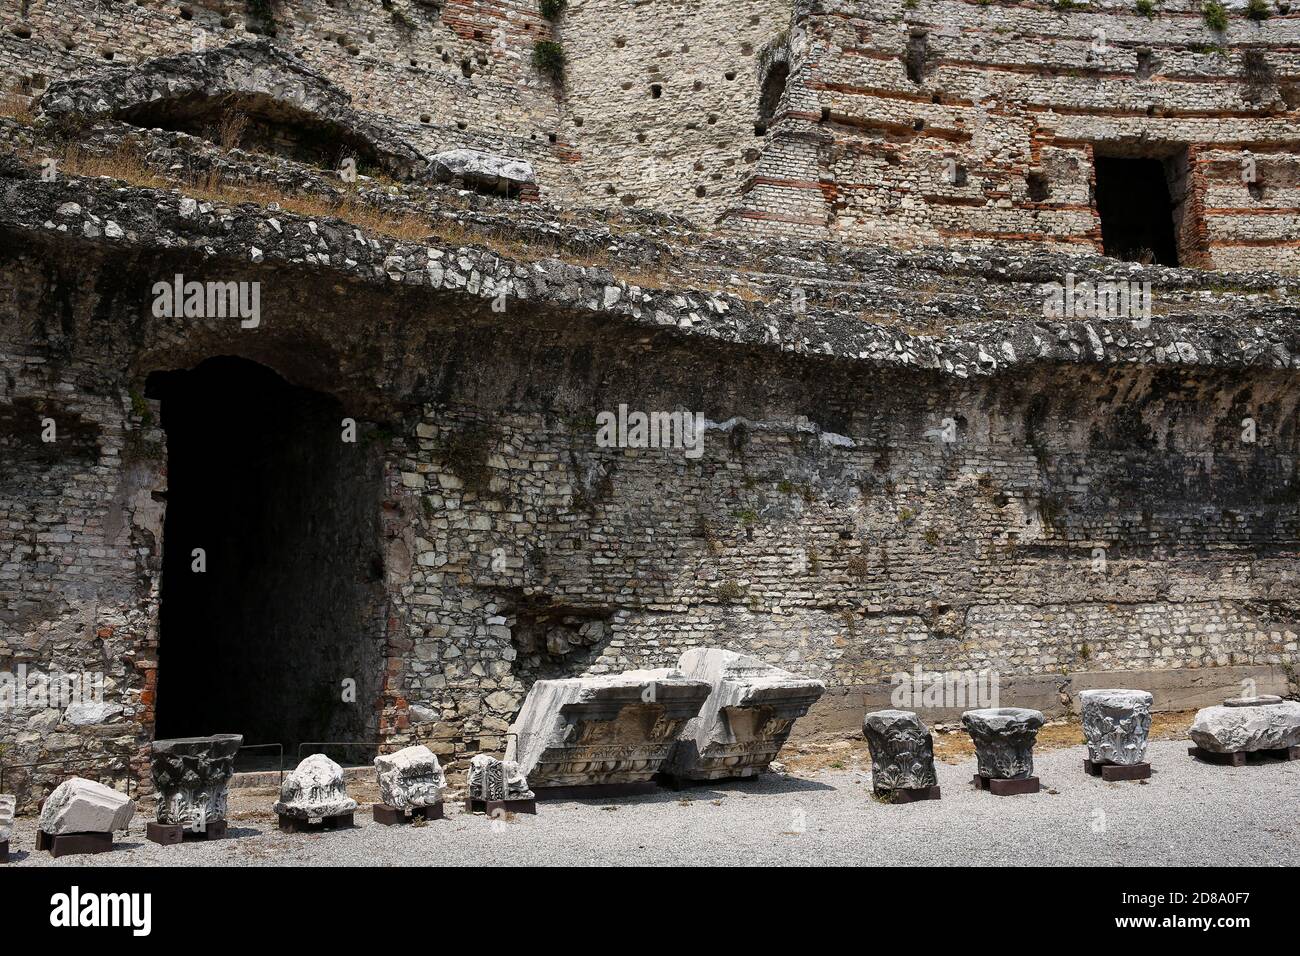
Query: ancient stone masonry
{"points": [[749, 713], [906, 459], [602, 730], [946, 121]]}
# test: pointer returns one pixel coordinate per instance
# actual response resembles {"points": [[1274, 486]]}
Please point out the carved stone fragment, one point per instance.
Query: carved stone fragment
{"points": [[84, 806], [902, 750], [1243, 727], [191, 775], [602, 730], [315, 790], [1004, 740], [1115, 725], [492, 779], [410, 778], [746, 719]]}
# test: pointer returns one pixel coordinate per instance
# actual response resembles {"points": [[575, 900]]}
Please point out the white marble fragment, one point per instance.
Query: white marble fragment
{"points": [[410, 778], [1232, 729], [84, 806], [316, 789]]}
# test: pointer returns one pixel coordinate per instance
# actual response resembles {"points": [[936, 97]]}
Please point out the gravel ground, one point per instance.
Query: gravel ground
{"points": [[1187, 814]]}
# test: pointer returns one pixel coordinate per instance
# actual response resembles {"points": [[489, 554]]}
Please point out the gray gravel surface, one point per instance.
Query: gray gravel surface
{"points": [[1188, 814]]}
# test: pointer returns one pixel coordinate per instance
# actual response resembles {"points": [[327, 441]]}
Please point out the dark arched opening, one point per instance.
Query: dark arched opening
{"points": [[773, 89], [278, 634]]}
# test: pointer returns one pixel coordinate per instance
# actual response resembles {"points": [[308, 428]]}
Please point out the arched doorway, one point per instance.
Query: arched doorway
{"points": [[271, 612]]}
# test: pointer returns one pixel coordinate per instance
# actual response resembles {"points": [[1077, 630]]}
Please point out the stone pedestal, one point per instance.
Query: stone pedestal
{"points": [[586, 731], [745, 720], [1248, 725], [1115, 726], [1004, 741], [314, 791], [191, 775], [902, 755], [410, 779]]}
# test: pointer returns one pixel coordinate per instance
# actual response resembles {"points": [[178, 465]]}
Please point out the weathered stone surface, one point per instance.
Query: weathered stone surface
{"points": [[1238, 728], [250, 75], [493, 779], [1115, 725], [1004, 740], [481, 170], [603, 730], [410, 778], [191, 774], [902, 750], [84, 806], [314, 790], [746, 719], [8, 805]]}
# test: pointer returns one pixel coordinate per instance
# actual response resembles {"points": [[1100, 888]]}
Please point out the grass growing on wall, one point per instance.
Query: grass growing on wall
{"points": [[1258, 10], [1216, 18], [551, 9], [1147, 8], [549, 58]]}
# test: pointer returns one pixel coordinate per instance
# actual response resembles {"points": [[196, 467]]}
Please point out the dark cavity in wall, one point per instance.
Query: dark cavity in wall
{"points": [[289, 610], [1136, 211]]}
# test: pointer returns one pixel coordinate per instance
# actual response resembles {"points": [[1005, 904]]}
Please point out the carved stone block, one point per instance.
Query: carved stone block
{"points": [[191, 775], [315, 790], [8, 805], [1004, 740], [902, 750], [410, 778], [84, 806], [619, 729], [746, 718], [496, 780], [1115, 725], [1244, 726]]}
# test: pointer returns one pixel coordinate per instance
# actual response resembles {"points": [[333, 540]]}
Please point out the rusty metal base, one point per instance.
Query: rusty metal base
{"points": [[597, 791], [491, 807], [1240, 758], [1006, 788], [910, 794], [169, 834], [1116, 771], [298, 825], [388, 816], [70, 844]]}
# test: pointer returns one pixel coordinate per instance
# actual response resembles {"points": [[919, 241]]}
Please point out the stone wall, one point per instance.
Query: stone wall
{"points": [[886, 100]]}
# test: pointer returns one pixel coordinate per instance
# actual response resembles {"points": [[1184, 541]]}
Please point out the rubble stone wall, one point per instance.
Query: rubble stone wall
{"points": [[886, 100]]}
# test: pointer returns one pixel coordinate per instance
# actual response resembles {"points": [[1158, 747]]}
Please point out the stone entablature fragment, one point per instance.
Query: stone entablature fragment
{"points": [[749, 713], [410, 778], [1247, 725], [619, 729]]}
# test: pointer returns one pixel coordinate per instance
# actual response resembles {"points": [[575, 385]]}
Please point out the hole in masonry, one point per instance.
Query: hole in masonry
{"points": [[656, 91], [287, 515], [1136, 210]]}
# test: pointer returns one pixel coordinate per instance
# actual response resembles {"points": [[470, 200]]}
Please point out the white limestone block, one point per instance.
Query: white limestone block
{"points": [[751, 708], [316, 789], [84, 806], [1232, 729], [410, 778]]}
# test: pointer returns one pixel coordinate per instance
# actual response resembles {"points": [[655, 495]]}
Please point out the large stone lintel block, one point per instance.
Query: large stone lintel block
{"points": [[744, 723], [602, 730]]}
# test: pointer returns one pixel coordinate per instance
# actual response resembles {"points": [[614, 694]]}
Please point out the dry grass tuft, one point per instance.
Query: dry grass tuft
{"points": [[17, 106]]}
